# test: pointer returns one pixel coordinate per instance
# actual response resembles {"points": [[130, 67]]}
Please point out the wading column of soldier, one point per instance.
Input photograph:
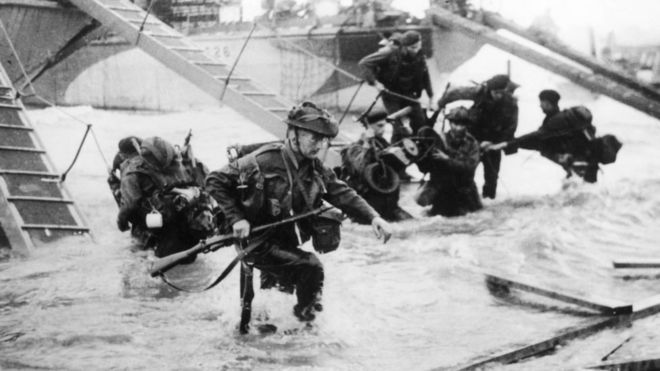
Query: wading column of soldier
{"points": [[493, 119], [451, 161], [568, 138], [277, 181], [402, 71]]}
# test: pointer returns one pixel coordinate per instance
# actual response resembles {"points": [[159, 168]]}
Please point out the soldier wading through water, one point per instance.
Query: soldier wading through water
{"points": [[277, 181]]}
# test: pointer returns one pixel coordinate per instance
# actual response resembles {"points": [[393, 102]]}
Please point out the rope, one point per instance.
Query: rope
{"points": [[144, 21], [75, 158], [52, 105], [20, 64], [351, 102]]}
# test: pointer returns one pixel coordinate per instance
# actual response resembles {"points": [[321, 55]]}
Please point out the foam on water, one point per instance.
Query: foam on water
{"points": [[418, 302]]}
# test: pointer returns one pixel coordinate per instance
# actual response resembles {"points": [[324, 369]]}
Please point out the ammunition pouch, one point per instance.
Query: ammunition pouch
{"points": [[325, 230]]}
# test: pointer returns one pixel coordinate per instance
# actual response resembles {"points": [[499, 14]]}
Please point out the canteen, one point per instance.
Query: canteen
{"points": [[154, 220]]}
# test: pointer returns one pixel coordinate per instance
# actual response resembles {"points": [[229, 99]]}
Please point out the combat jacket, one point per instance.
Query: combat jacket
{"points": [[453, 179], [490, 120], [139, 181], [567, 131], [403, 74], [259, 189]]}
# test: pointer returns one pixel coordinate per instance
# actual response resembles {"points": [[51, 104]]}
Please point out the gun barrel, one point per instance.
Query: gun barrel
{"points": [[398, 114]]}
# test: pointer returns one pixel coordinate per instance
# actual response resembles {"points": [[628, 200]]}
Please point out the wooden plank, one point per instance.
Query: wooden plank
{"points": [[646, 307], [648, 364], [605, 306], [544, 345], [55, 227], [579, 76], [21, 149], [637, 263], [39, 199]]}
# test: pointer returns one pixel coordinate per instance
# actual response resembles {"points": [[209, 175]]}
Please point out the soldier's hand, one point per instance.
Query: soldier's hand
{"points": [[438, 154], [122, 225], [382, 229], [494, 147], [433, 104], [241, 229]]}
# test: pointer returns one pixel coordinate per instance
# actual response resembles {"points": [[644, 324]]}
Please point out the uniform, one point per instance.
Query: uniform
{"points": [[451, 189], [490, 120], [258, 188], [403, 74]]}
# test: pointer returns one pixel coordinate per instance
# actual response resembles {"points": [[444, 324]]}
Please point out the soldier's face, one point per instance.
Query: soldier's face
{"points": [[310, 144], [458, 130], [414, 48], [379, 129], [498, 94], [547, 107]]}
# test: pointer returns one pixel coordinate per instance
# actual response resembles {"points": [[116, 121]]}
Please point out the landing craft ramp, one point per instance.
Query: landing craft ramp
{"points": [[590, 77], [34, 205], [180, 55]]}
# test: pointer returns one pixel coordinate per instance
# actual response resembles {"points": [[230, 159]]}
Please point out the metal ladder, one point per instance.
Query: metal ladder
{"points": [[34, 206], [179, 54]]}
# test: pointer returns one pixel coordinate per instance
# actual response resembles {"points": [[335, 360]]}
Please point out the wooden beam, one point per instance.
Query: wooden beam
{"points": [[544, 345], [579, 76], [605, 306], [630, 365], [637, 263], [496, 21]]}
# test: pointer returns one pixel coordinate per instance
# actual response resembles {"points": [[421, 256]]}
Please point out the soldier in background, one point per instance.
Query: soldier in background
{"points": [[402, 71], [451, 162], [568, 138], [128, 148], [363, 170], [493, 118]]}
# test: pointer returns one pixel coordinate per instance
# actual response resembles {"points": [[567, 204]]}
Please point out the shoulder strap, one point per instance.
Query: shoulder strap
{"points": [[294, 174]]}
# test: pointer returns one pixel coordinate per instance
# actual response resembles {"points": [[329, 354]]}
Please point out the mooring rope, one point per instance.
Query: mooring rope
{"points": [[52, 105]]}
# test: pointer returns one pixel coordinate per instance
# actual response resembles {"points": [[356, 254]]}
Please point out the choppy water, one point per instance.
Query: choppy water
{"points": [[417, 303]]}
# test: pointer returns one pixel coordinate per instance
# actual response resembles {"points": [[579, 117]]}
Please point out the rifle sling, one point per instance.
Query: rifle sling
{"points": [[222, 275]]}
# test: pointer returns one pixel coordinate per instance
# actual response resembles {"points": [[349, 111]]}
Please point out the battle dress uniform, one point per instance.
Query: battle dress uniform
{"points": [[451, 189], [491, 120], [156, 168], [376, 182], [404, 73], [567, 137], [262, 187]]}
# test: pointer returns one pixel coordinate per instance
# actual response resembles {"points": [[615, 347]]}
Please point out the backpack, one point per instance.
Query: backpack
{"points": [[606, 148]]}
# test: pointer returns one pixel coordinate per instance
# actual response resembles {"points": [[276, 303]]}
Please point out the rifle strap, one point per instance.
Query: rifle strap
{"points": [[222, 275]]}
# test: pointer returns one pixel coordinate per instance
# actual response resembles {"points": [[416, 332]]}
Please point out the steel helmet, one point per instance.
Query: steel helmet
{"points": [[458, 115], [308, 116], [158, 152]]}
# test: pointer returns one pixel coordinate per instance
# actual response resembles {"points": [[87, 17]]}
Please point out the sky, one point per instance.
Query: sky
{"points": [[633, 22]]}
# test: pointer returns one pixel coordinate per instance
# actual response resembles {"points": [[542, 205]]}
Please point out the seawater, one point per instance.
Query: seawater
{"points": [[418, 302]]}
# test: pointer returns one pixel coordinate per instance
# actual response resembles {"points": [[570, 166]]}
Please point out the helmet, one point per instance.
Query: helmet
{"points": [[129, 145], [458, 115], [501, 82], [309, 117], [158, 152]]}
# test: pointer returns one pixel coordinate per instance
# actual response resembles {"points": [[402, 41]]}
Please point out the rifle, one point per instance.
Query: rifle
{"points": [[162, 265]]}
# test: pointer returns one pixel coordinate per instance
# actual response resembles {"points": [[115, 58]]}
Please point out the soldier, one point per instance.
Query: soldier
{"points": [[157, 168], [452, 162], [565, 137], [402, 71], [283, 179], [128, 148], [492, 118], [363, 170]]}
